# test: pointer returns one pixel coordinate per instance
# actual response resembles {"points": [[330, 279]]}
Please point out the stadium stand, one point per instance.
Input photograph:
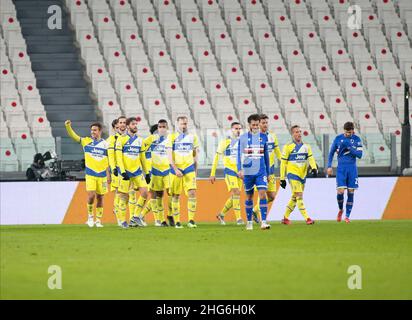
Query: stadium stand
{"points": [[215, 61]]}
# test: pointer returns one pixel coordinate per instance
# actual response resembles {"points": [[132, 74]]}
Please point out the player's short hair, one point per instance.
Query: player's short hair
{"points": [[114, 123], [122, 117], [294, 127], [162, 121], [264, 117], [153, 128], [348, 126], [130, 120], [253, 117], [235, 124], [181, 118], [96, 124]]}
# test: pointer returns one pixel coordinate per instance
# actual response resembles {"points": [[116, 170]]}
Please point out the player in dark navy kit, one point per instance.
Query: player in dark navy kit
{"points": [[348, 148], [253, 167]]}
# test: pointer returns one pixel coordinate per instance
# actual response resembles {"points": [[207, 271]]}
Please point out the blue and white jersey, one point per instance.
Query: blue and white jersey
{"points": [[253, 154], [348, 149]]}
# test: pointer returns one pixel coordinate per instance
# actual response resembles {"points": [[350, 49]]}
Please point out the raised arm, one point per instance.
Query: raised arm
{"points": [[71, 133]]}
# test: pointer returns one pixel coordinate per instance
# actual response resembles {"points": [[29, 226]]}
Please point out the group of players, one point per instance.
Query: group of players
{"points": [[140, 171]]}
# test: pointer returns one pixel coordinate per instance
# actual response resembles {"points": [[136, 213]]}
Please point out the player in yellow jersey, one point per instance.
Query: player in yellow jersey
{"points": [[228, 148], [296, 157], [182, 150], [97, 169], [118, 127], [274, 153], [131, 164], [155, 146]]}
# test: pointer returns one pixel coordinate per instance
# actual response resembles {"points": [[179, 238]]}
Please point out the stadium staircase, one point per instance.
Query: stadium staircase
{"points": [[59, 73]]}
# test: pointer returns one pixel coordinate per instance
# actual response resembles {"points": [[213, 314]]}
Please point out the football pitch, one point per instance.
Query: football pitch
{"points": [[211, 262]]}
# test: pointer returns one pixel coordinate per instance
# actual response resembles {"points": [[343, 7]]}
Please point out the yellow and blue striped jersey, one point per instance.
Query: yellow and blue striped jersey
{"points": [[130, 155], [95, 154], [156, 155], [274, 150], [183, 146], [229, 148], [295, 161]]}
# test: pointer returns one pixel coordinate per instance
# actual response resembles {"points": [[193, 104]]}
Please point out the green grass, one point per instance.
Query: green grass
{"points": [[212, 262]]}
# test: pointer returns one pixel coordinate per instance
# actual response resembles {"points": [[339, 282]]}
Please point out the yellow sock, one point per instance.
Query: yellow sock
{"points": [[236, 207], [302, 208], [257, 208], [116, 203], [147, 209], [99, 213], [121, 214], [153, 206], [139, 207], [160, 209], [228, 206], [132, 204], [90, 210], [290, 207], [169, 206], [176, 209], [191, 205]]}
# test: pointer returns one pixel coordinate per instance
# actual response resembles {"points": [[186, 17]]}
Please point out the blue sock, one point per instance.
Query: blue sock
{"points": [[263, 204], [349, 204], [340, 198], [249, 209]]}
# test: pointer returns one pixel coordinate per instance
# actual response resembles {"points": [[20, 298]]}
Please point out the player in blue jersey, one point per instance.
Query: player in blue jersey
{"points": [[348, 148], [254, 169]]}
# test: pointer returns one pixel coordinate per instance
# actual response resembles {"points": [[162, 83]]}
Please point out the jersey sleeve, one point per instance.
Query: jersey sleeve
{"points": [[284, 162], [169, 141], [147, 143], [278, 153], [111, 154], [146, 162], [220, 150], [311, 159], [72, 134], [196, 144], [332, 151], [266, 156], [240, 153], [196, 147], [356, 149], [119, 154]]}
